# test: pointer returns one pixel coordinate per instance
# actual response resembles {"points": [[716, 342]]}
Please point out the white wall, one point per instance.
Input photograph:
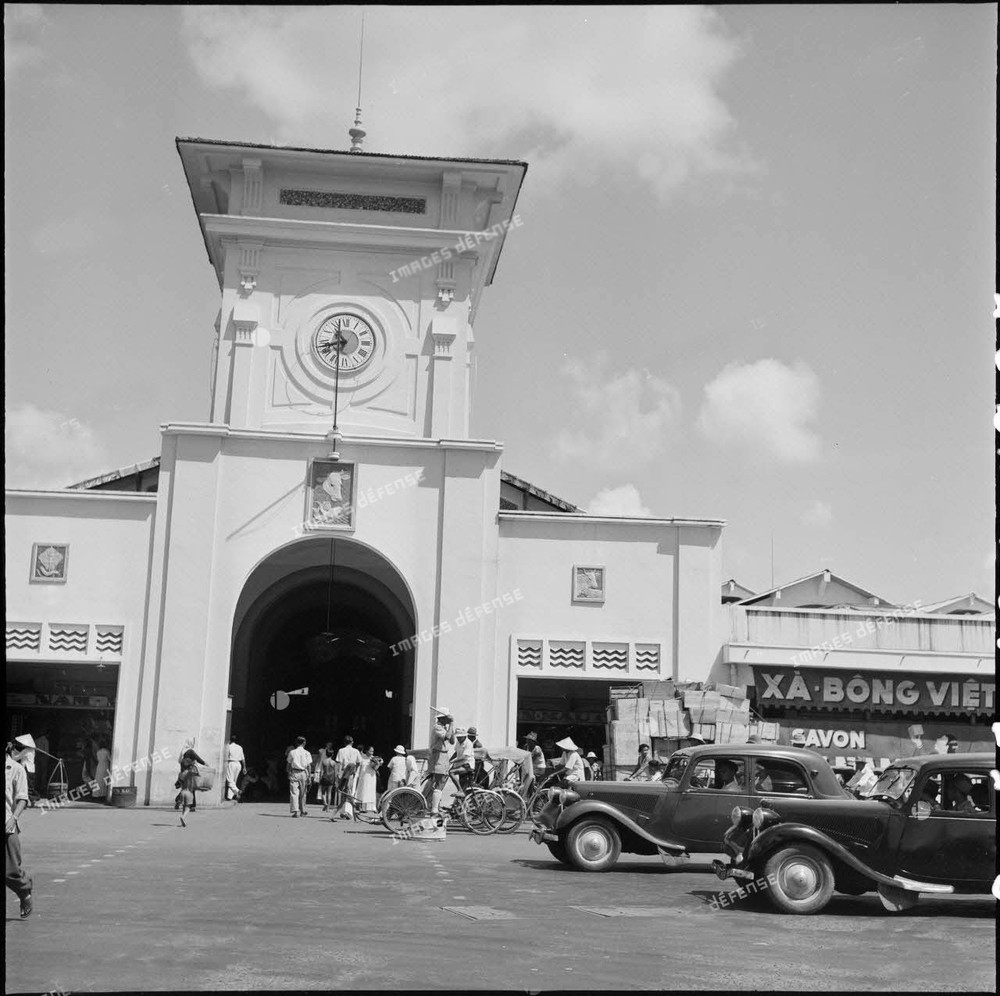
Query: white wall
{"points": [[109, 536]]}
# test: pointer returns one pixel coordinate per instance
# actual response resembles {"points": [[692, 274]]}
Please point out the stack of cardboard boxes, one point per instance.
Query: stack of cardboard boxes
{"points": [[668, 715]]}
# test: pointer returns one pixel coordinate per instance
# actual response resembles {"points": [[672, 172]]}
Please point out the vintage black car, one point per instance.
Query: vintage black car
{"points": [[686, 813], [928, 825]]}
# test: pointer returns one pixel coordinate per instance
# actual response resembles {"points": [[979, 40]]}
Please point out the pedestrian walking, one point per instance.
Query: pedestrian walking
{"points": [[299, 766], [439, 766], [189, 760], [327, 768], [102, 774], [397, 768], [235, 766], [348, 765], [16, 794], [187, 784], [538, 764], [367, 785]]}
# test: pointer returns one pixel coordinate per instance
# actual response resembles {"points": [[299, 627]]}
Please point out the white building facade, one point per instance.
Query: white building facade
{"points": [[368, 571]]}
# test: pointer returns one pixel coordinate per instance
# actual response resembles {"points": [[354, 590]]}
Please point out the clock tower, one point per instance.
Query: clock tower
{"points": [[372, 262]]}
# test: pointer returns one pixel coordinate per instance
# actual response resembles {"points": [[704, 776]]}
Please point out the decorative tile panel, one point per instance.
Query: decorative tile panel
{"points": [[529, 653], [354, 202], [24, 637], [110, 640], [68, 638], [49, 563], [588, 583], [610, 656], [647, 657], [330, 495], [567, 654]]}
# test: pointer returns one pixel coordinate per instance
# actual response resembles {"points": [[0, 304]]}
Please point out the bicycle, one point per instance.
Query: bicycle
{"points": [[479, 810]]}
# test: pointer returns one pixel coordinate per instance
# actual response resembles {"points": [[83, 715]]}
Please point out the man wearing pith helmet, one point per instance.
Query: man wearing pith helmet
{"points": [[439, 767]]}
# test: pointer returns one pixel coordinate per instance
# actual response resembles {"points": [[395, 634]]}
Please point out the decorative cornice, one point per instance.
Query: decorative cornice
{"points": [[624, 520], [83, 495], [322, 438]]}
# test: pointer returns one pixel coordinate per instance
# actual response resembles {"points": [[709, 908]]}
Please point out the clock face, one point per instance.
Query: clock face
{"points": [[356, 340]]}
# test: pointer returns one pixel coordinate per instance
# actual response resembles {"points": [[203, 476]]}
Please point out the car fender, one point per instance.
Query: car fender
{"points": [[796, 833], [594, 807]]}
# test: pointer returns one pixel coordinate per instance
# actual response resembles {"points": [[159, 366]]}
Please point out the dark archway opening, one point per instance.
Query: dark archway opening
{"points": [[333, 644]]}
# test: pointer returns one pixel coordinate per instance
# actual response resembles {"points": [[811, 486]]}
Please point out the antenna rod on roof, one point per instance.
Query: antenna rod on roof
{"points": [[357, 133]]}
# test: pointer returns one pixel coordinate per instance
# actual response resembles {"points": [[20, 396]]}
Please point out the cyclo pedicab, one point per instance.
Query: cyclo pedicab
{"points": [[485, 802]]}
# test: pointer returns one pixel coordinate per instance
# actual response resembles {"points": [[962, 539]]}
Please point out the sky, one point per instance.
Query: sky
{"points": [[753, 279]]}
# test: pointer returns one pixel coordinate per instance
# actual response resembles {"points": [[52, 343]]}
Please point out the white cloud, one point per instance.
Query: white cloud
{"points": [[49, 449], [620, 421], [570, 89], [819, 513], [624, 500], [767, 406]]}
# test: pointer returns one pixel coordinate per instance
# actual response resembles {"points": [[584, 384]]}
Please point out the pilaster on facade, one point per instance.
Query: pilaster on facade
{"points": [[249, 265], [451, 192], [253, 186], [445, 283]]}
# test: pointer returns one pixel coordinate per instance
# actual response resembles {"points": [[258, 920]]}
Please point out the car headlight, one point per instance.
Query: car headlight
{"points": [[764, 818], [740, 817]]}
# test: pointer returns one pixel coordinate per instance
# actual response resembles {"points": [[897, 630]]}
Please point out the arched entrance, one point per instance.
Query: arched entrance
{"points": [[321, 615]]}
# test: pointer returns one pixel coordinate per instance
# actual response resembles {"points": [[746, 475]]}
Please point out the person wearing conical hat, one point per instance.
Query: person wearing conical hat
{"points": [[571, 768], [25, 744], [16, 789]]}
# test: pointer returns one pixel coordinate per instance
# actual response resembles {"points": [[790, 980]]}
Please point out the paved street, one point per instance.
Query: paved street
{"points": [[246, 898]]}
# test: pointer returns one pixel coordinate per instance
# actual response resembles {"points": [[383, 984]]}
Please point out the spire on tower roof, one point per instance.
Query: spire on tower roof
{"points": [[357, 133]]}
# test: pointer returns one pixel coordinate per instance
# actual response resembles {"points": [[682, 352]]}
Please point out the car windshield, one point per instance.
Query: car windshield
{"points": [[675, 768], [892, 784]]}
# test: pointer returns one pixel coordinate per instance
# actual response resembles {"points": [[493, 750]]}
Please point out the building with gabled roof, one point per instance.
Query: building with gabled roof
{"points": [[823, 589]]}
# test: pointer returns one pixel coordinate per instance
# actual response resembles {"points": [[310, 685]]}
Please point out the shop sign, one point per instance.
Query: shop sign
{"points": [[854, 739], [916, 693], [625, 692], [559, 716], [886, 738]]}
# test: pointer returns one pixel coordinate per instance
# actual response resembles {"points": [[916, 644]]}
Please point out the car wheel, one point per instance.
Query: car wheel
{"points": [[593, 845], [557, 849], [800, 879]]}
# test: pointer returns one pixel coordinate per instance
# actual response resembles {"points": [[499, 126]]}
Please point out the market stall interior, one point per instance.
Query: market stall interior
{"points": [[71, 706]]}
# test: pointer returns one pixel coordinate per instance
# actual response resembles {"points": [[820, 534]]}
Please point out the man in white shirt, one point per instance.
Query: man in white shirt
{"points": [[16, 795], [348, 767], [463, 760], [235, 766], [571, 766], [299, 764]]}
